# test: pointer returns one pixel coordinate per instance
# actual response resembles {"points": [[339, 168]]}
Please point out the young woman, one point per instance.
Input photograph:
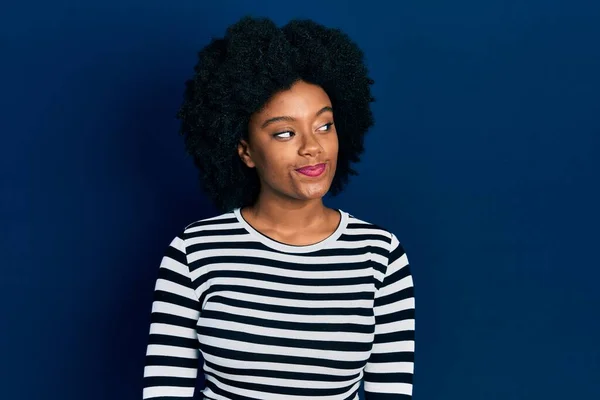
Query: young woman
{"points": [[281, 296]]}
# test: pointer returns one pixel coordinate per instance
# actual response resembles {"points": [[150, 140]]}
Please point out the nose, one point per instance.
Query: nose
{"points": [[310, 145]]}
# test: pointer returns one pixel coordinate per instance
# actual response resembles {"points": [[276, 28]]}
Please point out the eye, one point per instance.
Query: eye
{"points": [[278, 135], [327, 127]]}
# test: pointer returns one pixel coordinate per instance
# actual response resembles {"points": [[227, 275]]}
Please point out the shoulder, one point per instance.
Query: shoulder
{"points": [[383, 240], [379, 232], [219, 221], [197, 230], [387, 250]]}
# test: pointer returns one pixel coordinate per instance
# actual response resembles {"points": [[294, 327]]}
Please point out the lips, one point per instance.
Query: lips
{"points": [[312, 170], [312, 167]]}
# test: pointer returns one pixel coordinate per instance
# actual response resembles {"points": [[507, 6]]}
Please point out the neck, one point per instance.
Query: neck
{"points": [[288, 217]]}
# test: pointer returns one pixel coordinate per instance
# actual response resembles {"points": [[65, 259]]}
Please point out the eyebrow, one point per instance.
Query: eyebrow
{"points": [[291, 119]]}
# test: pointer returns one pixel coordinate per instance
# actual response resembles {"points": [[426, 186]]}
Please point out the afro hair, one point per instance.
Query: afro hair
{"points": [[236, 75]]}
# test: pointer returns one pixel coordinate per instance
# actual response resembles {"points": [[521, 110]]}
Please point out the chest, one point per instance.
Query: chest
{"points": [[283, 312]]}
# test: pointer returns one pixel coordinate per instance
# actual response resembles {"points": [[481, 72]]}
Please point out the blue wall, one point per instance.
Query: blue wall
{"points": [[484, 161]]}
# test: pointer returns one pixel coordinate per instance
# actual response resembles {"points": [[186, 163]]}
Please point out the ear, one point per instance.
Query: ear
{"points": [[244, 153]]}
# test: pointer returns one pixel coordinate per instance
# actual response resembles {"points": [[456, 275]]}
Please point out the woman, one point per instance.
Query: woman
{"points": [[283, 297]]}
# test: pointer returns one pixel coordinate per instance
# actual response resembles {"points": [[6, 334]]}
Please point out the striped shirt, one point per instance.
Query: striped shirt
{"points": [[277, 321]]}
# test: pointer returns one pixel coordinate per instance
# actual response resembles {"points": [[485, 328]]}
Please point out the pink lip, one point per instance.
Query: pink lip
{"points": [[315, 170]]}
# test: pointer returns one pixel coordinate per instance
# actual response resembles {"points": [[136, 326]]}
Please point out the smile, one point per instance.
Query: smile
{"points": [[314, 171]]}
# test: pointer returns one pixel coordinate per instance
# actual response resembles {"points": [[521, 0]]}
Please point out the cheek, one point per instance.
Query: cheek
{"points": [[333, 146], [277, 164], [278, 160]]}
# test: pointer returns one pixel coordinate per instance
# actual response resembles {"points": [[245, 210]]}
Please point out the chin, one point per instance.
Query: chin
{"points": [[316, 194]]}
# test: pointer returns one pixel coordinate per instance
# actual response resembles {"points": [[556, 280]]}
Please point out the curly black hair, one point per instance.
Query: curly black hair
{"points": [[236, 75]]}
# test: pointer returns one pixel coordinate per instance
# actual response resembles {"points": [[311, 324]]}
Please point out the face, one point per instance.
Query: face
{"points": [[295, 129]]}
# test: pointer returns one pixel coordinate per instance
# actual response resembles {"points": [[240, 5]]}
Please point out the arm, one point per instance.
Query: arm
{"points": [[171, 364], [389, 371]]}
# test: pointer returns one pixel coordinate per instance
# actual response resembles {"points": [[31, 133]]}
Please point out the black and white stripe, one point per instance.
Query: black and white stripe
{"points": [[276, 321]]}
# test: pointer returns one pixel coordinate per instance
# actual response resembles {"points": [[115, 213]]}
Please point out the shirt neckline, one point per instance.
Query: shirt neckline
{"points": [[277, 245]]}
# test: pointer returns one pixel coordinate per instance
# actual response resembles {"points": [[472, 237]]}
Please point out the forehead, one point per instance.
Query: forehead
{"points": [[302, 98]]}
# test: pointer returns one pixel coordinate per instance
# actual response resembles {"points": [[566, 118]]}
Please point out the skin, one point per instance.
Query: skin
{"points": [[293, 130]]}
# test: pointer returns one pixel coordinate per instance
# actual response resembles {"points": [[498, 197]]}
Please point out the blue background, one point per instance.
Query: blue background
{"points": [[484, 161]]}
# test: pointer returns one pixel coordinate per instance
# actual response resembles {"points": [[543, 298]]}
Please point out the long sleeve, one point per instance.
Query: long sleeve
{"points": [[171, 363], [389, 371]]}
